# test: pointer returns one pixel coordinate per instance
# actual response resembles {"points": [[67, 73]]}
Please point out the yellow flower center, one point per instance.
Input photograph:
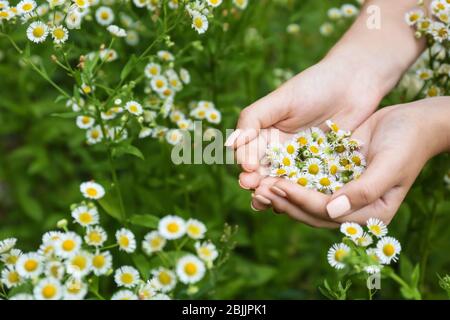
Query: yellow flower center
{"points": [[95, 237], [13, 277], [314, 149], [85, 218], [31, 265], [173, 227], [59, 33], [68, 245], [38, 31], [388, 249], [339, 149], [190, 268], [49, 291], [133, 108], [302, 181], [313, 169], [325, 182], [164, 278], [333, 169], [124, 241], [98, 261], [11, 259], [351, 230], [375, 229], [334, 127], [79, 262], [356, 160], [156, 242], [198, 22], [194, 230], [280, 172], [204, 251], [302, 141], [127, 278], [95, 134], [290, 149], [159, 83], [91, 192], [340, 255], [286, 161], [27, 7]]}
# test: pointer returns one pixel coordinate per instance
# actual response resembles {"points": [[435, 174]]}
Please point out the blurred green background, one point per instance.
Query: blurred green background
{"points": [[43, 159]]}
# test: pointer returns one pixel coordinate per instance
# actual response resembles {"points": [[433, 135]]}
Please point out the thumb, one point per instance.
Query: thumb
{"points": [[380, 176], [261, 114]]}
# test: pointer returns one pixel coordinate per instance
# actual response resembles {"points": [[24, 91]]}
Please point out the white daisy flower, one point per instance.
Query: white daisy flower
{"points": [[349, 10], [79, 264], [126, 240], [199, 23], [313, 166], [22, 296], [377, 227], [213, 116], [132, 38], [153, 242], [351, 229], [117, 31], [75, 289], [104, 16], [334, 14], [206, 251], [26, 7], [101, 262], [165, 56], [185, 76], [10, 277], [30, 265], [94, 135], [172, 227], [145, 132], [59, 34], [373, 269], [214, 3], [134, 108], [159, 83], [388, 249], [7, 244], [195, 229], [337, 254], [73, 19], [95, 236], [174, 136], [68, 245], [241, 4], [85, 122], [108, 55], [363, 241], [48, 289], [190, 269], [127, 277], [10, 258], [146, 291], [82, 4], [326, 29], [140, 3], [176, 116], [85, 215], [54, 269], [92, 190], [164, 279], [124, 295], [152, 70], [37, 32], [4, 5]]}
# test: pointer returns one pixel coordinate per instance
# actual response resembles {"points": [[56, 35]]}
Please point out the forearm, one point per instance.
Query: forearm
{"points": [[385, 53]]}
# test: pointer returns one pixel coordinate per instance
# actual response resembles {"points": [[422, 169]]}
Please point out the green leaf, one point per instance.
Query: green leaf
{"points": [[142, 263], [415, 276], [127, 149], [65, 115], [111, 207], [144, 220], [128, 67]]}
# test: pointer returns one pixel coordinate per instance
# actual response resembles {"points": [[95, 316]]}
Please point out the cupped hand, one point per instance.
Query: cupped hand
{"points": [[398, 141]]}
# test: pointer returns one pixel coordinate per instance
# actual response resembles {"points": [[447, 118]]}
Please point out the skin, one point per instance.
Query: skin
{"points": [[346, 86]]}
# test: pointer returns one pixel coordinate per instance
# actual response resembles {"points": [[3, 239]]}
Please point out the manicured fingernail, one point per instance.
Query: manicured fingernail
{"points": [[232, 138], [263, 200], [278, 191], [253, 208], [338, 207], [242, 186]]}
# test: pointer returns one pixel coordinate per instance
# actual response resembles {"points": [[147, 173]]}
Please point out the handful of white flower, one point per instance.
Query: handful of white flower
{"points": [[318, 160]]}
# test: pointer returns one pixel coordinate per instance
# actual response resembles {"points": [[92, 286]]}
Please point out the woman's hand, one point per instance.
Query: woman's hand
{"points": [[398, 141]]}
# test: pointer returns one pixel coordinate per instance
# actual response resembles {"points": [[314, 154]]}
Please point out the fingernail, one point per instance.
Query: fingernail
{"points": [[263, 200], [278, 191], [232, 138], [338, 207], [242, 186], [253, 208]]}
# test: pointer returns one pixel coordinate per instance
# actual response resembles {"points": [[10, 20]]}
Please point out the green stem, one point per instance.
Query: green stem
{"points": [[116, 185], [110, 247]]}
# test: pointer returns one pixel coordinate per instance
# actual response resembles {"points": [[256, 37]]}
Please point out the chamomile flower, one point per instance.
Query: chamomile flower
{"points": [[140, 3], [127, 277], [352, 230], [68, 245], [101, 262], [153, 242], [85, 215], [334, 14], [117, 31], [26, 6], [132, 38], [165, 56], [92, 190], [59, 34], [377, 227], [7, 244], [349, 10], [104, 15], [303, 179], [73, 19], [152, 70], [146, 291], [214, 3], [126, 240], [174, 136], [324, 182], [190, 269], [199, 23], [85, 122], [206, 251], [30, 265], [213, 116], [79, 264], [195, 229], [337, 254], [10, 277], [94, 135], [48, 289], [313, 166], [95, 236], [159, 83], [185, 76], [81, 4], [54, 269], [326, 29], [364, 240], [75, 289], [165, 280], [108, 55], [124, 295], [10, 258], [37, 32], [172, 227], [388, 249], [241, 4], [134, 108]]}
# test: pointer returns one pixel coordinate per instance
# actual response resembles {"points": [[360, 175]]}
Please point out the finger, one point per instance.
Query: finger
{"points": [[311, 201], [249, 180], [259, 203], [381, 175], [249, 155], [383, 208]]}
